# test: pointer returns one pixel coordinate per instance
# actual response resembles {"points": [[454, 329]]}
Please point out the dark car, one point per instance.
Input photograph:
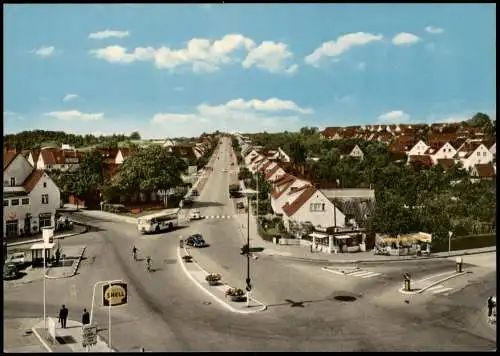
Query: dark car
{"points": [[196, 240], [10, 271]]}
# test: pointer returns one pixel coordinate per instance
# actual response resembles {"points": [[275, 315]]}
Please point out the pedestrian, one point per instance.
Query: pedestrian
{"points": [[85, 317], [63, 316], [491, 304]]}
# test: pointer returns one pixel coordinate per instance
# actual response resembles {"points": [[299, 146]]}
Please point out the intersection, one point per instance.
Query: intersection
{"points": [[306, 310]]}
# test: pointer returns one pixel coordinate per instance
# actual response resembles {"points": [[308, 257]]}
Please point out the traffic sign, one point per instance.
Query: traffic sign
{"points": [[114, 294], [89, 335]]}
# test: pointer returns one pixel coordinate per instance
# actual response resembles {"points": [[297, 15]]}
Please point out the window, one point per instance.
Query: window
{"points": [[484, 154], [45, 184], [15, 202], [479, 154], [45, 220], [26, 201], [5, 203], [45, 198], [317, 207], [12, 181]]}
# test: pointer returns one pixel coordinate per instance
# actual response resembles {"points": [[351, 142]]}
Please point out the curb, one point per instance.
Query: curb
{"points": [[341, 262], [220, 301], [42, 341], [401, 290], [74, 270], [59, 237]]}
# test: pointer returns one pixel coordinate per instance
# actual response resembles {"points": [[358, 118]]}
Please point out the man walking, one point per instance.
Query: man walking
{"points": [[63, 316], [85, 317], [491, 304]]}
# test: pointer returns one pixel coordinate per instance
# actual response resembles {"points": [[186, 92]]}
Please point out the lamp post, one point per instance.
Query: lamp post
{"points": [[248, 193]]}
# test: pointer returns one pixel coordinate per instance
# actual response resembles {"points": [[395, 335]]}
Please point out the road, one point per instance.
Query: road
{"points": [[167, 312]]}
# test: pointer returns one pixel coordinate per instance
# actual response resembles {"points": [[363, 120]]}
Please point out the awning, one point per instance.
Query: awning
{"points": [[41, 246], [318, 235], [343, 237]]}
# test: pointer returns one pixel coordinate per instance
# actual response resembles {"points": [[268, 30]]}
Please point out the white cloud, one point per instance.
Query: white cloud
{"points": [[69, 97], [179, 89], [238, 114], [395, 116], [341, 45], [10, 115], [45, 51], [108, 33], [271, 56], [75, 115], [433, 30], [405, 38], [202, 55], [207, 56]]}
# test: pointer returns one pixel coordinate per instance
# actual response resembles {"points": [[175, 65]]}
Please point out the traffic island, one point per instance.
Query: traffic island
{"points": [[417, 287], [69, 265], [70, 339], [217, 292]]}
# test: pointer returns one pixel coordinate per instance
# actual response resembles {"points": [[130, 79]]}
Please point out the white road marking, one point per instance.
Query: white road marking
{"points": [[439, 289], [360, 273], [372, 274]]}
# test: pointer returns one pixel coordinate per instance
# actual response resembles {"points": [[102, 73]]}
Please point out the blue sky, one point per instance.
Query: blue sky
{"points": [[180, 70]]}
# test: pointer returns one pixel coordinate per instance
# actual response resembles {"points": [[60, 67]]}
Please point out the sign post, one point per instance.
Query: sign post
{"points": [[114, 293], [89, 336]]}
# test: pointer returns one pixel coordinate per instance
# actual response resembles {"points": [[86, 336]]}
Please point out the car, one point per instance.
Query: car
{"points": [[10, 271], [195, 215], [17, 258], [196, 240]]}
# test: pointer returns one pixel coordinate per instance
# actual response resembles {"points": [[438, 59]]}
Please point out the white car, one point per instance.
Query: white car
{"points": [[195, 215], [17, 258], [224, 170]]}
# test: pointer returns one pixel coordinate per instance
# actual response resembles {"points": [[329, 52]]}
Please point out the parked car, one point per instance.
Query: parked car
{"points": [[10, 271], [196, 240], [17, 258], [195, 215]]}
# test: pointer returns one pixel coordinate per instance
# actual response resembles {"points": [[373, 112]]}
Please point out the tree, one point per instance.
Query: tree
{"points": [[135, 135], [149, 170], [297, 152], [480, 120]]}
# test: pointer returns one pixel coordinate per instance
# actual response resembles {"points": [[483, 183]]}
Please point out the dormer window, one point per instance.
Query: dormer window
{"points": [[12, 181]]}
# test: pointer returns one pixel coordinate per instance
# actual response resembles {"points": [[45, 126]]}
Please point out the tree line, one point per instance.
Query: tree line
{"points": [[36, 139]]}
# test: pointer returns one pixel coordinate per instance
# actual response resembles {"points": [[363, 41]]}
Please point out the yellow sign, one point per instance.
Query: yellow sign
{"points": [[114, 295]]}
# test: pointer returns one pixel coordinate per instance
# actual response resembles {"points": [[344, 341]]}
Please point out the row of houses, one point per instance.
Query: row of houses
{"points": [[385, 133], [318, 204]]}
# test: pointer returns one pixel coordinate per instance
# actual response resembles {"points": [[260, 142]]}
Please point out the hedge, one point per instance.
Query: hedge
{"points": [[465, 242]]}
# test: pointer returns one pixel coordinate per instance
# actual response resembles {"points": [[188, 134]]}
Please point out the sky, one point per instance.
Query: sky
{"points": [[171, 70]]}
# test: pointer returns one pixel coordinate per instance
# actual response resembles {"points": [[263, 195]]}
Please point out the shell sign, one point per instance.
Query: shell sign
{"points": [[114, 294]]}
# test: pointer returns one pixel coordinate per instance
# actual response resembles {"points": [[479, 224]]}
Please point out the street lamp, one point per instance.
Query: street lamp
{"points": [[248, 193]]}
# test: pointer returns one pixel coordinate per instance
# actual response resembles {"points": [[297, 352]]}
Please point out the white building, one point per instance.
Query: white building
{"points": [[438, 151], [281, 189], [312, 206], [30, 197], [473, 153], [419, 149]]}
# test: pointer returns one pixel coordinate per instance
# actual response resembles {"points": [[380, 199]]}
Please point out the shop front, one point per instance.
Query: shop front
{"points": [[406, 245]]}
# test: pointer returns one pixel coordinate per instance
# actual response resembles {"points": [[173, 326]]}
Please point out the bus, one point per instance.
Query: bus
{"points": [[165, 220]]}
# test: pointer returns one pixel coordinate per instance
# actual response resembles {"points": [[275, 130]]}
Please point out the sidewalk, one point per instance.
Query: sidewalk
{"points": [[303, 253], [67, 340], [71, 263], [197, 275], [77, 230], [99, 214]]}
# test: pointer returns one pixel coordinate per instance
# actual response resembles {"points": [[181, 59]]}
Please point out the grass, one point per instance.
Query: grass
{"points": [[268, 234], [143, 212]]}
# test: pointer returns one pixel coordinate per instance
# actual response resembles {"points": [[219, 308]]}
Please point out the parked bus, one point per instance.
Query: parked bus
{"points": [[165, 220]]}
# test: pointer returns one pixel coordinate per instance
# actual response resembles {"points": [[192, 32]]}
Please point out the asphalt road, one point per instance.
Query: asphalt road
{"points": [[167, 312]]}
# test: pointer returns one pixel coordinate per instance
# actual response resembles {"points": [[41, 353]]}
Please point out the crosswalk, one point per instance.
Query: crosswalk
{"points": [[352, 272], [439, 289], [215, 217], [364, 274]]}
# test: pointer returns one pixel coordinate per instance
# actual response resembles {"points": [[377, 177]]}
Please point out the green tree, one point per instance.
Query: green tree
{"points": [[149, 170], [135, 135]]}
